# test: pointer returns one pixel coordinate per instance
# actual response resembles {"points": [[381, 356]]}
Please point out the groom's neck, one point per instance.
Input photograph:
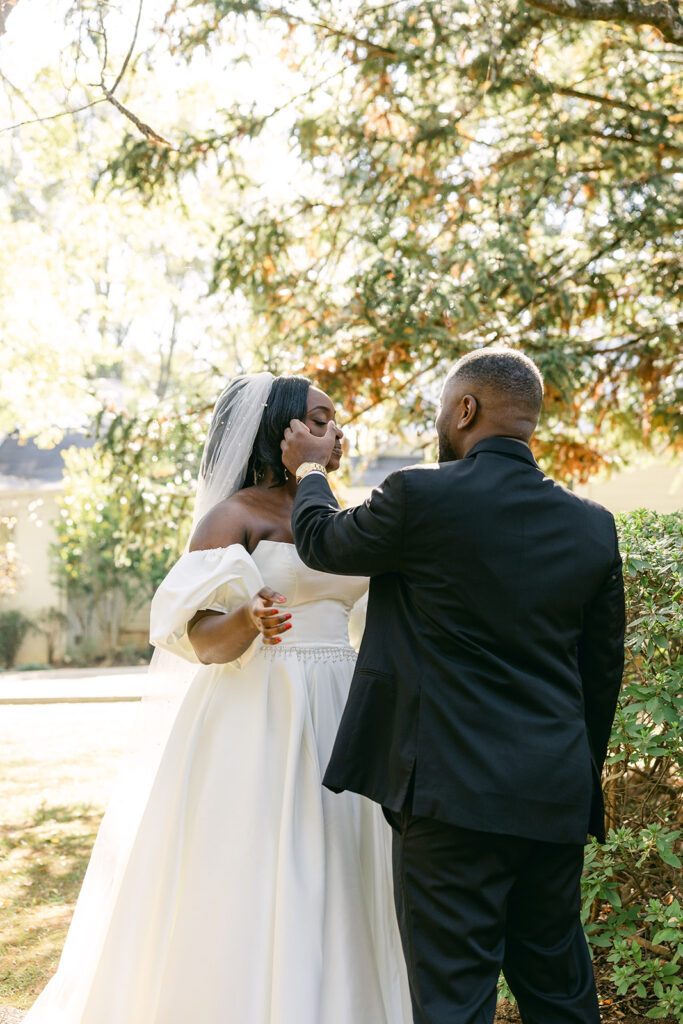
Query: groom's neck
{"points": [[483, 434]]}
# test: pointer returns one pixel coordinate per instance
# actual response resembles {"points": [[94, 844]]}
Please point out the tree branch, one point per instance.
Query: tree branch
{"points": [[145, 129], [142, 127], [651, 947], [661, 14], [51, 117], [543, 85], [131, 48], [19, 93]]}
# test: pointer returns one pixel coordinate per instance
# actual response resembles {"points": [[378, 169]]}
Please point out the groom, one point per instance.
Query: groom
{"points": [[486, 685]]}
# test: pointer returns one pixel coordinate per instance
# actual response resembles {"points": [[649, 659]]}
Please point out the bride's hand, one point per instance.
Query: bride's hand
{"points": [[269, 621]]}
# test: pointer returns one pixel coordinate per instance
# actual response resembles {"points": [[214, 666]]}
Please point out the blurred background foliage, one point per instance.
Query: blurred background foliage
{"points": [[359, 192]]}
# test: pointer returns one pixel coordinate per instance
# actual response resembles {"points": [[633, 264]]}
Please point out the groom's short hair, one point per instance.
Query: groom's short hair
{"points": [[505, 371]]}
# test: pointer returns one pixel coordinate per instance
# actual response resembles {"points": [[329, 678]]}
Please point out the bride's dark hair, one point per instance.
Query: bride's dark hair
{"points": [[287, 401]]}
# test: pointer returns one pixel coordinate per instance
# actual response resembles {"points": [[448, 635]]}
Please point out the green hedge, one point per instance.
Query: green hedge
{"points": [[14, 626], [632, 885]]}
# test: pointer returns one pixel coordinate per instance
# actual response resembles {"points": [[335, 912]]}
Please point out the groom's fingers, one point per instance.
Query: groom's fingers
{"points": [[295, 427], [331, 434]]}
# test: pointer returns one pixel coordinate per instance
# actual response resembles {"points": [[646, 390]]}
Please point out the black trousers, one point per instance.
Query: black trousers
{"points": [[471, 904]]}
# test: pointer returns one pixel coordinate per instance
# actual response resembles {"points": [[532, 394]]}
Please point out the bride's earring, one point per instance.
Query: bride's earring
{"points": [[286, 475]]}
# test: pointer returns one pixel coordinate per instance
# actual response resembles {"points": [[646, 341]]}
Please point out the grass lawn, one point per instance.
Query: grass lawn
{"points": [[57, 766]]}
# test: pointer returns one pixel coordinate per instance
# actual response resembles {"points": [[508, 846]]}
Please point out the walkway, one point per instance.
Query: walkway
{"points": [[73, 686]]}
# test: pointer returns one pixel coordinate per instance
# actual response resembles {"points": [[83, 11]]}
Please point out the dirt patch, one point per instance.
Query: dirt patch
{"points": [[10, 1016]]}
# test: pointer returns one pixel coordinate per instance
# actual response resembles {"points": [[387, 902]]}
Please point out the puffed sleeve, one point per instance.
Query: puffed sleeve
{"points": [[220, 579]]}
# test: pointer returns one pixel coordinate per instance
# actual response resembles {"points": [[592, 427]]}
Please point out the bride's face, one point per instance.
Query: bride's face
{"points": [[319, 412]]}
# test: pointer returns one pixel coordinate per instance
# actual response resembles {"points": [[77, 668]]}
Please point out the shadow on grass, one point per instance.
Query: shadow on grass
{"points": [[42, 864], [63, 813], [50, 857]]}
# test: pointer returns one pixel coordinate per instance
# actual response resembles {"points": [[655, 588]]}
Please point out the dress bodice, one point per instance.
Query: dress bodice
{"points": [[222, 579], [320, 603]]}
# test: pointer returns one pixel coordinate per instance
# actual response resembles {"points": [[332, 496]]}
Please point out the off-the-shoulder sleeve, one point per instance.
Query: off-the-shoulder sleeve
{"points": [[220, 579]]}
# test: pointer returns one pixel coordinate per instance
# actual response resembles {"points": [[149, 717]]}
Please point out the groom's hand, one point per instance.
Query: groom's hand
{"points": [[300, 445]]}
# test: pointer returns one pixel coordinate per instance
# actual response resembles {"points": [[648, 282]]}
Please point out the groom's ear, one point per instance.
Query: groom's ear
{"points": [[466, 412]]}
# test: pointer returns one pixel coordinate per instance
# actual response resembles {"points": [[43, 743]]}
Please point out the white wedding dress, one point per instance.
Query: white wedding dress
{"points": [[248, 894]]}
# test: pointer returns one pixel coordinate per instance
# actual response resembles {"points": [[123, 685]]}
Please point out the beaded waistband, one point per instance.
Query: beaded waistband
{"points": [[319, 652]]}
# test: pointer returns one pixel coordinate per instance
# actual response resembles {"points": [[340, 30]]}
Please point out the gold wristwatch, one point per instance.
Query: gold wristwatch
{"points": [[309, 467]]}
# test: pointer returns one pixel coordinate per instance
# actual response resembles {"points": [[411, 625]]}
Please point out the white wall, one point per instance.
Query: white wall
{"points": [[35, 510], [653, 484]]}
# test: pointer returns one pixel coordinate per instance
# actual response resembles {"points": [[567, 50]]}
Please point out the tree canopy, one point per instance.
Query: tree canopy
{"points": [[458, 173]]}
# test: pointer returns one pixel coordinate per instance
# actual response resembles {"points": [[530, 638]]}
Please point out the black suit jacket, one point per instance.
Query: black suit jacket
{"points": [[493, 648]]}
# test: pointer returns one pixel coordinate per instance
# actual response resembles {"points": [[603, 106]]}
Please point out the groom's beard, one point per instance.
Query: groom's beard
{"points": [[446, 453]]}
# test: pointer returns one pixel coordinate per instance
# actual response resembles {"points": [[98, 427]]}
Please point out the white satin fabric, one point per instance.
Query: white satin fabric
{"points": [[250, 895]]}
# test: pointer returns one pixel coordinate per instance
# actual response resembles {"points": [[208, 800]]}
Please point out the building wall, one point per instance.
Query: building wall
{"points": [[34, 510], [650, 484], [655, 484]]}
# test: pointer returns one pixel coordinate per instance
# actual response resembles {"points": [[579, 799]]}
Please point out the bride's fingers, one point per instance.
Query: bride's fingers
{"points": [[271, 621], [272, 631], [272, 636]]}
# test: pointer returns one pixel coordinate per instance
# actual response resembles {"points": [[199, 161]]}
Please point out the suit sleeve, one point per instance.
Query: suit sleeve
{"points": [[362, 541], [601, 657]]}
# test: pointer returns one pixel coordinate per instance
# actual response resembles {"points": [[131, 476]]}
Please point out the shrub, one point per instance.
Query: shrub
{"points": [[632, 885], [13, 628], [125, 514]]}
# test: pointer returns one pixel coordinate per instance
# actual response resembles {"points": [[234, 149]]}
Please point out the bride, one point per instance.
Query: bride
{"points": [[231, 888]]}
